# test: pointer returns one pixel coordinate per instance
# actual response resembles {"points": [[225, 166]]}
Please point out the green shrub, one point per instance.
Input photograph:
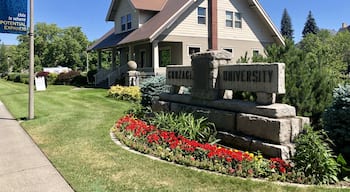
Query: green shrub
{"points": [[91, 75], [185, 124], [151, 88], [66, 78], [337, 120], [51, 78], [125, 93], [314, 157], [18, 77]]}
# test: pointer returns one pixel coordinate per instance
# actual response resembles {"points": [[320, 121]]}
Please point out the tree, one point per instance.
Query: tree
{"points": [[310, 25], [3, 59], [286, 25]]}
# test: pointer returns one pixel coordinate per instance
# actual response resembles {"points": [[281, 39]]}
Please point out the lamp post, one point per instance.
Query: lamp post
{"points": [[31, 63]]}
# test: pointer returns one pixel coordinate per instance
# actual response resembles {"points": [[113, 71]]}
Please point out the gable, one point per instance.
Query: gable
{"points": [[254, 26], [153, 5]]}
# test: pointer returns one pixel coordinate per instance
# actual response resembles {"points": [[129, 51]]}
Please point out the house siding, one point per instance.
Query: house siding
{"points": [[252, 27], [125, 8], [188, 26]]}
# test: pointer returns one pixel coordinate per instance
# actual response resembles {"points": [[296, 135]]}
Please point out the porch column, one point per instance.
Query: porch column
{"points": [[131, 53], [155, 55], [99, 60], [114, 64]]}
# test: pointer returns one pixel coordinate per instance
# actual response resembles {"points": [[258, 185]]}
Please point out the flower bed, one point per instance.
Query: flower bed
{"points": [[167, 145]]}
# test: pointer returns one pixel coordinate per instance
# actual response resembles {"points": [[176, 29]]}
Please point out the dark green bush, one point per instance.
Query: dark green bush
{"points": [[337, 120], [314, 157], [18, 77], [151, 88], [66, 78], [91, 75]]}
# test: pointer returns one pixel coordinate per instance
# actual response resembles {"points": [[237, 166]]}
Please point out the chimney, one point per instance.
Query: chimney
{"points": [[213, 24]]}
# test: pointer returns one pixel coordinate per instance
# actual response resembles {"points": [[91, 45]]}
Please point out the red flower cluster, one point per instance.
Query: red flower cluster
{"points": [[170, 139], [280, 164], [137, 127], [140, 129]]}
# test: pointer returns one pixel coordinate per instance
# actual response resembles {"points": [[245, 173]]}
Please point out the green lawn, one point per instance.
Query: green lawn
{"points": [[72, 128]]}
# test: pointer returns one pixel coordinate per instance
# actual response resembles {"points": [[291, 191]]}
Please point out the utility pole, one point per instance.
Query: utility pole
{"points": [[31, 63]]}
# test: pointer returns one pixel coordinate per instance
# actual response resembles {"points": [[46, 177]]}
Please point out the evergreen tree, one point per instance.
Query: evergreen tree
{"points": [[310, 25], [286, 25]]}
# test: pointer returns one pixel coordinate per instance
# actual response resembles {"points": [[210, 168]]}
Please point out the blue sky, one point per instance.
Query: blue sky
{"points": [[90, 15]]}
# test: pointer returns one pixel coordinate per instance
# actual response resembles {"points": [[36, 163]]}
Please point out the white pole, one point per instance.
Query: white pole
{"points": [[31, 63]]}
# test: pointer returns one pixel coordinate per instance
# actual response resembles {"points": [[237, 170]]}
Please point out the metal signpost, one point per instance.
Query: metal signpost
{"points": [[13, 19]]}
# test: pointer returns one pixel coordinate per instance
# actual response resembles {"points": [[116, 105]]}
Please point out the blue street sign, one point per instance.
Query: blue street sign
{"points": [[13, 16]]}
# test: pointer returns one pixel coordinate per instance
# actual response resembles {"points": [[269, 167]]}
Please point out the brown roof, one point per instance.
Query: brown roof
{"points": [[148, 31], [151, 5]]}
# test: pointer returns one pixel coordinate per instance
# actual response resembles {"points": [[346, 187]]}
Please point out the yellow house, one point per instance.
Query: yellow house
{"points": [[156, 33]]}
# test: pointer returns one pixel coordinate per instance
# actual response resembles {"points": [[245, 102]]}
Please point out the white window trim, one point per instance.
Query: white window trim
{"points": [[192, 46], [232, 14], [238, 21]]}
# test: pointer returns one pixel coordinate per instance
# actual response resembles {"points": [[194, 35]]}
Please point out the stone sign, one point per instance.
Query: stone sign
{"points": [[263, 125], [265, 78]]}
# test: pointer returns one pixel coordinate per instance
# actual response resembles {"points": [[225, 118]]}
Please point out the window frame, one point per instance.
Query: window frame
{"points": [[128, 21], [193, 47], [201, 18], [238, 20], [229, 13]]}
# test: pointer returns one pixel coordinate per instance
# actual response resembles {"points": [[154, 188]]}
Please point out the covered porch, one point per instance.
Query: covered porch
{"points": [[151, 57]]}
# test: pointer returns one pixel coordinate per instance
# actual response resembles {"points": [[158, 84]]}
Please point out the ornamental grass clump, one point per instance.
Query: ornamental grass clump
{"points": [[131, 93], [174, 147]]}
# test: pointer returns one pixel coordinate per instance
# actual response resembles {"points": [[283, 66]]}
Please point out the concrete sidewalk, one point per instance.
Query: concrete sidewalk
{"points": [[23, 167]]}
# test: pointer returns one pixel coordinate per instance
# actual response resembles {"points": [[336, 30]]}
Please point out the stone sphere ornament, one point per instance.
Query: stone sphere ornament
{"points": [[132, 65]]}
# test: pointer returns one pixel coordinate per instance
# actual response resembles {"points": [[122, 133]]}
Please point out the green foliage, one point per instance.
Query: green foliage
{"points": [[314, 157], [310, 25], [18, 77], [187, 125], [337, 120], [151, 88], [91, 75], [54, 46], [140, 112], [70, 78], [131, 93], [286, 26], [344, 167], [313, 69]]}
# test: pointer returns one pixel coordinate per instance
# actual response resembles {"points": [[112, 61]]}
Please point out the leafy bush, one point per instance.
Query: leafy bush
{"points": [[42, 74], [185, 124], [337, 120], [125, 93], [66, 78], [140, 112], [51, 78], [314, 157], [18, 77], [91, 75], [151, 88]]}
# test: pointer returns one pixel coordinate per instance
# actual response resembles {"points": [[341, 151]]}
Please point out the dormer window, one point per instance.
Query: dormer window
{"points": [[126, 22]]}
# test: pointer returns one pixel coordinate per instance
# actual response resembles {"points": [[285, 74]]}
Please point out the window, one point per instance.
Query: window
{"points": [[238, 20], [164, 57], [123, 23], [129, 21], [202, 15], [229, 19], [126, 22], [192, 50], [255, 53]]}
